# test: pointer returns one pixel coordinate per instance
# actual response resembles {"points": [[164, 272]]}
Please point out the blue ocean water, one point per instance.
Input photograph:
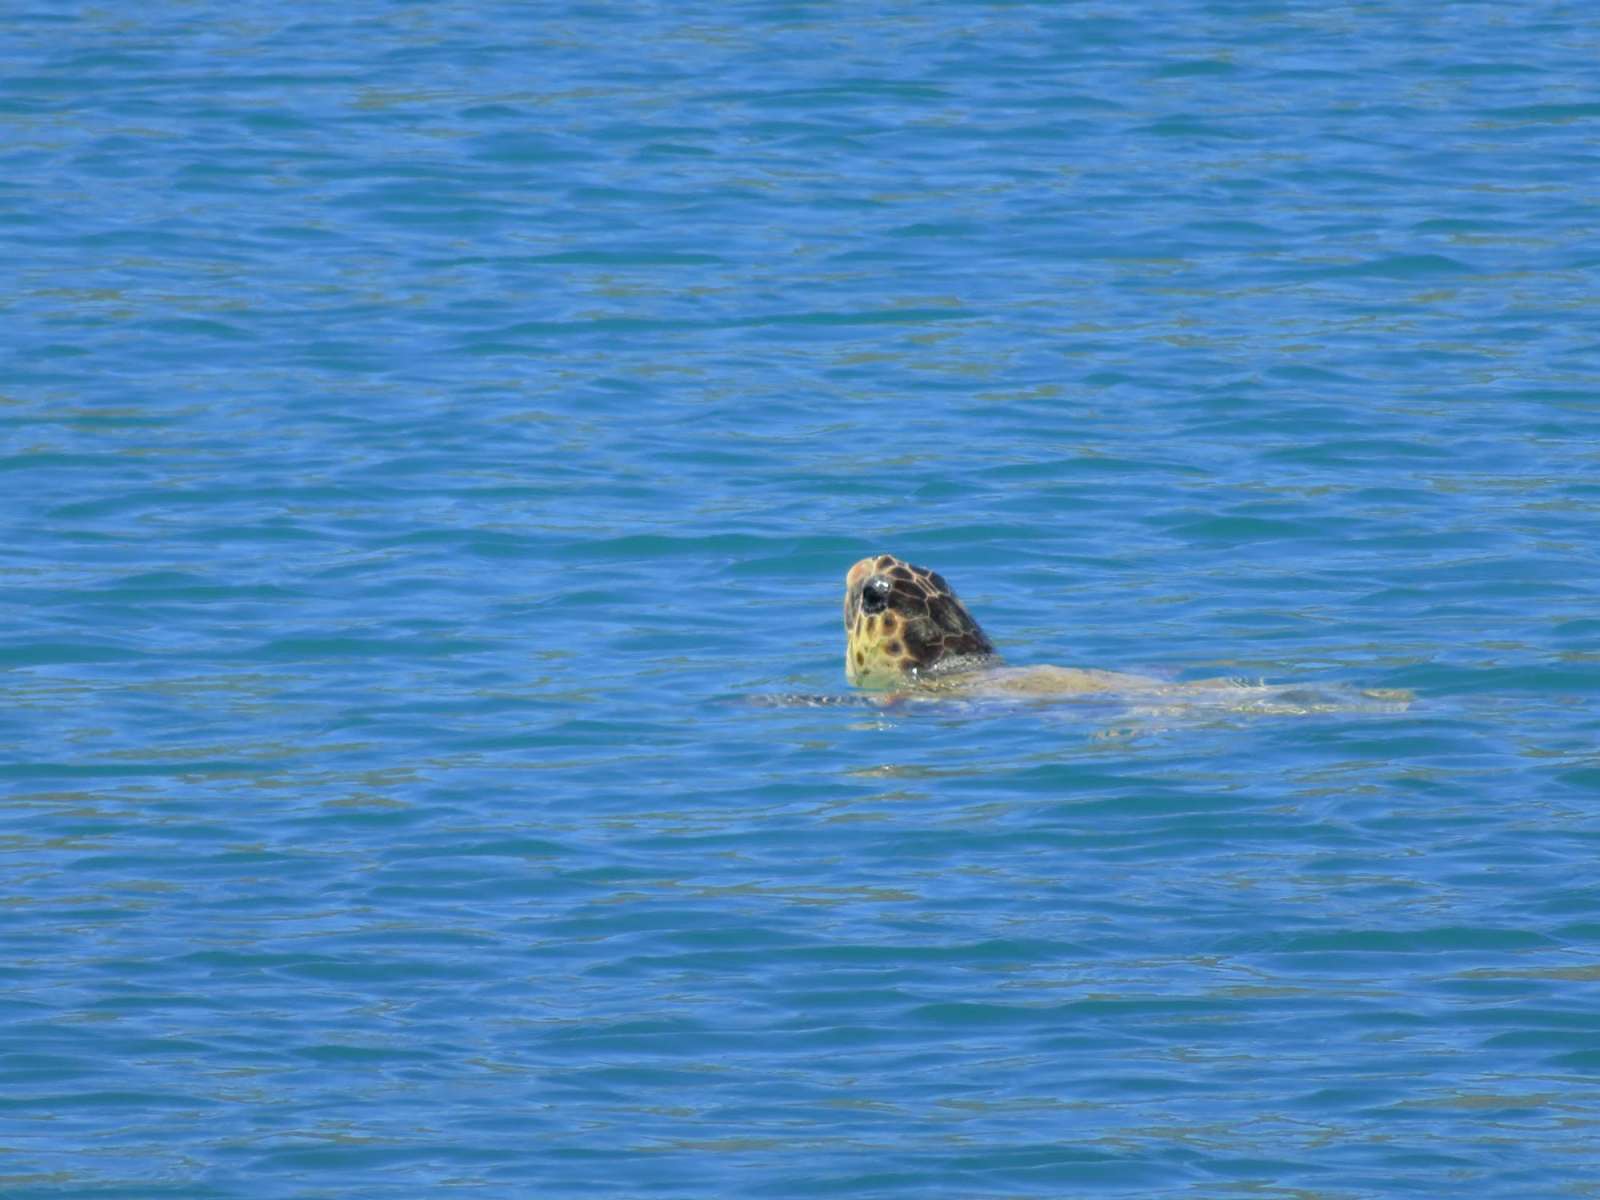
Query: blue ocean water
{"points": [[425, 427]]}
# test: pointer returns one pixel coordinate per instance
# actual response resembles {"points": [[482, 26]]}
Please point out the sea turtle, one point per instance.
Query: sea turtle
{"points": [[907, 635]]}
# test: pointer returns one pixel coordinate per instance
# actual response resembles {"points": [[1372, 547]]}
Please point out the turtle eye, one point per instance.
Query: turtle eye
{"points": [[875, 596]]}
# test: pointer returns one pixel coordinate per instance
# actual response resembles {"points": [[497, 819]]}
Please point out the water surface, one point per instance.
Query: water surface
{"points": [[424, 427]]}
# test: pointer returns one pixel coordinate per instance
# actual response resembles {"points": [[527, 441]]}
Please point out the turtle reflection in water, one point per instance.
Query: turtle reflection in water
{"points": [[908, 637]]}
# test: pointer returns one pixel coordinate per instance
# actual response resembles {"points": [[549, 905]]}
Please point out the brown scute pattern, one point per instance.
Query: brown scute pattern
{"points": [[923, 650], [923, 624]]}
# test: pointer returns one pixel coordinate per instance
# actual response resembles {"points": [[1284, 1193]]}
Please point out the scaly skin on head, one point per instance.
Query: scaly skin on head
{"points": [[902, 622]]}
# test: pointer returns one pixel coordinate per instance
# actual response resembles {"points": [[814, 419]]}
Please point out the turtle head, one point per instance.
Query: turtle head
{"points": [[900, 621]]}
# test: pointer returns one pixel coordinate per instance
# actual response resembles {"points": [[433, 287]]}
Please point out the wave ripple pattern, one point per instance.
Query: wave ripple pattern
{"points": [[426, 427]]}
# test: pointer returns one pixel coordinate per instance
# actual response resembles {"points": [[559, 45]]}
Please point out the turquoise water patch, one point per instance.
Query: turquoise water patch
{"points": [[433, 439]]}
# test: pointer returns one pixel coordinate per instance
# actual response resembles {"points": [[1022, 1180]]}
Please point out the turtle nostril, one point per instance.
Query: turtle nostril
{"points": [[875, 596]]}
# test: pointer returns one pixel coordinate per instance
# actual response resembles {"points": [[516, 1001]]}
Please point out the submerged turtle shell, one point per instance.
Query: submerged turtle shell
{"points": [[905, 632]]}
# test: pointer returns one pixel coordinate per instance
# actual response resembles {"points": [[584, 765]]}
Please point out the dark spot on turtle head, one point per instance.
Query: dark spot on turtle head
{"points": [[894, 648], [937, 580], [920, 650], [901, 571], [889, 622], [875, 594], [885, 561], [861, 659], [946, 613]]}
